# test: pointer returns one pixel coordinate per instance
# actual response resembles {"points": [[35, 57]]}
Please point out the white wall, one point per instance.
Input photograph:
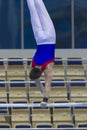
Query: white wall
{"points": [[25, 53]]}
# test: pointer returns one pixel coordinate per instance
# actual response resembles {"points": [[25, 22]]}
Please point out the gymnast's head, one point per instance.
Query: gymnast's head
{"points": [[35, 73]]}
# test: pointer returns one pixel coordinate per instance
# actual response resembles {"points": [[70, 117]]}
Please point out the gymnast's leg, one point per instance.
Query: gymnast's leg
{"points": [[35, 21], [45, 20]]}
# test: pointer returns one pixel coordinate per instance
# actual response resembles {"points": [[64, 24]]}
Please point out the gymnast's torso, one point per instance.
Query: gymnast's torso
{"points": [[44, 55]]}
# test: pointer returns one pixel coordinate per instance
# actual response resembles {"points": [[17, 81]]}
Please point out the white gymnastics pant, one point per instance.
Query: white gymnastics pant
{"points": [[42, 24]]}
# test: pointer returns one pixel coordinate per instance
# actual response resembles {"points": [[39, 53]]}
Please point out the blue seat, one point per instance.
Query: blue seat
{"points": [[20, 102], [23, 125], [1, 62], [3, 110], [3, 92], [17, 84], [43, 126], [4, 125], [82, 125], [15, 62], [79, 84], [58, 61], [65, 126], [73, 61]]}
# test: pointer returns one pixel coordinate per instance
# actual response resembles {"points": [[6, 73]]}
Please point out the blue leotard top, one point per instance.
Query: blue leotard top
{"points": [[44, 55]]}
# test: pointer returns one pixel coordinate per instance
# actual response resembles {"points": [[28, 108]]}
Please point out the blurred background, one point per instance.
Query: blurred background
{"points": [[69, 18]]}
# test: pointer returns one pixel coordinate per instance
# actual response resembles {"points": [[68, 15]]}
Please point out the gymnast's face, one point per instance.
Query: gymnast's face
{"points": [[35, 73]]}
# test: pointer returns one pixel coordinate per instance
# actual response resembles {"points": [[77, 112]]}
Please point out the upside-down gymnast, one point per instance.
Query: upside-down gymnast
{"points": [[45, 37]]}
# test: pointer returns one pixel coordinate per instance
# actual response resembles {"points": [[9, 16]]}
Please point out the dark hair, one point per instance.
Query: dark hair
{"points": [[35, 73]]}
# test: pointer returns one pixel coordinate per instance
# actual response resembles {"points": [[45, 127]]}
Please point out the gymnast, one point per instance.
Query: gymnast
{"points": [[45, 36]]}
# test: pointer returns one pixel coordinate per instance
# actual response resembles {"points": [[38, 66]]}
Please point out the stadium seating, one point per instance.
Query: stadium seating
{"points": [[15, 68], [2, 70], [80, 113], [62, 114], [78, 90], [4, 114], [58, 91], [3, 90], [34, 93], [43, 117], [20, 114], [75, 69], [58, 68], [40, 115], [17, 90]]}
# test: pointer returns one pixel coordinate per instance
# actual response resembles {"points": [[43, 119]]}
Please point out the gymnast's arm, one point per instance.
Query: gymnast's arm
{"points": [[39, 85], [48, 78]]}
